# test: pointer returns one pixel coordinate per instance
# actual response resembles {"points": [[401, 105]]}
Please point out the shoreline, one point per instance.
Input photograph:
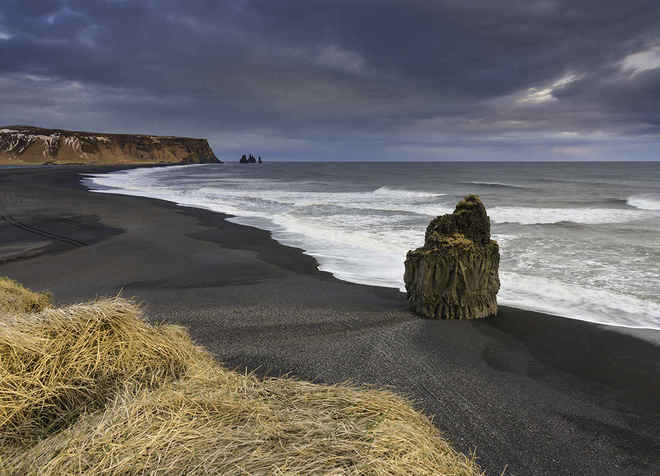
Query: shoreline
{"points": [[637, 331], [537, 393], [545, 292]]}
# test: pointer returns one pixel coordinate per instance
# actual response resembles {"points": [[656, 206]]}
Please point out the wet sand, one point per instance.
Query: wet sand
{"points": [[532, 393]]}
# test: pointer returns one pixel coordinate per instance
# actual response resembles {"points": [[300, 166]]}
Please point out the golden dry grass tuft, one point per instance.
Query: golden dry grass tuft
{"points": [[59, 363], [94, 389], [15, 298]]}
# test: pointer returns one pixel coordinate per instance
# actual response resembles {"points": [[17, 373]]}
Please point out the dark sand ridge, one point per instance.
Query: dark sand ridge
{"points": [[536, 393]]}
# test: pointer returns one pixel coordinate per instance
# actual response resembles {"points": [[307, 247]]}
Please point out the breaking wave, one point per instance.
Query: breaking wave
{"points": [[644, 202], [393, 192], [542, 216], [495, 185]]}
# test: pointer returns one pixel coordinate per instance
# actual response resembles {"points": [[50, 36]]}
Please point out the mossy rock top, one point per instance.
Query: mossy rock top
{"points": [[468, 220]]}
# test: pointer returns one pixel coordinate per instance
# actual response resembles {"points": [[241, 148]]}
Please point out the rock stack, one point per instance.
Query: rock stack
{"points": [[245, 159], [455, 274]]}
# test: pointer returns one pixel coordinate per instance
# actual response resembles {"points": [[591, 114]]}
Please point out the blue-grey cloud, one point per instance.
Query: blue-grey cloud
{"points": [[358, 79]]}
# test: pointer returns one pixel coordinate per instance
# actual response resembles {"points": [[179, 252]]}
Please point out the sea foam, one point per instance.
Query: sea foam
{"points": [[644, 202], [540, 216], [576, 301]]}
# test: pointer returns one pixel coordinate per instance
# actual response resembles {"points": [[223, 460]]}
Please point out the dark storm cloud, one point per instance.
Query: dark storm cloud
{"points": [[344, 79]]}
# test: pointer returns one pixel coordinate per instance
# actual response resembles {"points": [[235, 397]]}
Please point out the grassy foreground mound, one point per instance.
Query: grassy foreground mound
{"points": [[95, 389]]}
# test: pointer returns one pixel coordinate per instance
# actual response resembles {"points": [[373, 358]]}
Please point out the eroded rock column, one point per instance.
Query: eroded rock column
{"points": [[455, 275]]}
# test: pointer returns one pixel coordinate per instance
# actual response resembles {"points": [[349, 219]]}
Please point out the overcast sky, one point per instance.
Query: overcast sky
{"points": [[344, 80]]}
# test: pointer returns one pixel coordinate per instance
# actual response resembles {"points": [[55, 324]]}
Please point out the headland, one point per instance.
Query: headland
{"points": [[28, 145]]}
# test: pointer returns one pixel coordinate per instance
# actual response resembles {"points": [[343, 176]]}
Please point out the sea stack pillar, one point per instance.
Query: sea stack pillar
{"points": [[455, 275]]}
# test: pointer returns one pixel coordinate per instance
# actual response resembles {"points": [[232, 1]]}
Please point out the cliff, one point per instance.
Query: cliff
{"points": [[27, 145]]}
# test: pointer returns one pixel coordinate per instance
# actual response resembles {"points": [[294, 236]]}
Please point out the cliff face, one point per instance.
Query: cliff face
{"points": [[27, 145]]}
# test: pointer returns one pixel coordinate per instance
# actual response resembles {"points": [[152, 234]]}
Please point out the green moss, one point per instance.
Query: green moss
{"points": [[456, 241]]}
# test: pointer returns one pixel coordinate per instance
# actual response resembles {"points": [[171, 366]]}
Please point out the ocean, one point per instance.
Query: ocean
{"points": [[579, 240]]}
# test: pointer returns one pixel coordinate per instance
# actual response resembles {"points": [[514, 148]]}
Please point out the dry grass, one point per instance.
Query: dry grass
{"points": [[15, 298], [94, 389], [61, 362]]}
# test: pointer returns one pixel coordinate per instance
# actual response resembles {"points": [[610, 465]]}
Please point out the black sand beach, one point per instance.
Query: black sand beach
{"points": [[532, 393]]}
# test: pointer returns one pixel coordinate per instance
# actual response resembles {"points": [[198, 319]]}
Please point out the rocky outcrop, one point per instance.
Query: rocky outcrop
{"points": [[27, 145], [455, 275], [245, 159]]}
